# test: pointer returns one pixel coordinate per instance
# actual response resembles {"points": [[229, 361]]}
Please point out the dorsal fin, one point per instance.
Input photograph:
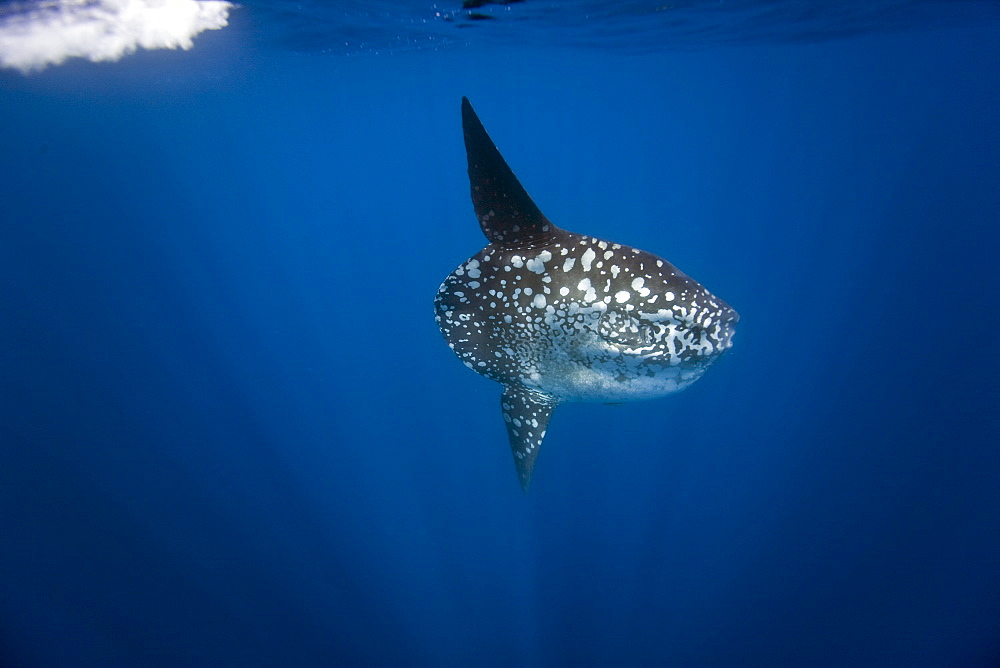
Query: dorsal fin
{"points": [[505, 210], [526, 414]]}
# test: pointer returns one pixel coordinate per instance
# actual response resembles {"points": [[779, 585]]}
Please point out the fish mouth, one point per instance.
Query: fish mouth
{"points": [[729, 321]]}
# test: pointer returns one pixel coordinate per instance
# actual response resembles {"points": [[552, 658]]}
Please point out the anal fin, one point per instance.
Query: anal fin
{"points": [[526, 414]]}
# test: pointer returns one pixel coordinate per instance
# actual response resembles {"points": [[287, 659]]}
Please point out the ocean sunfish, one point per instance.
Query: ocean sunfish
{"points": [[555, 316]]}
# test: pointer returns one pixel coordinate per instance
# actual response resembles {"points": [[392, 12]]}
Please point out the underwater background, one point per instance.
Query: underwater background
{"points": [[232, 434]]}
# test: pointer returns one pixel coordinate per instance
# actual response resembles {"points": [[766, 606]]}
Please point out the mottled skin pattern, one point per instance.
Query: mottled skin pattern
{"points": [[555, 316]]}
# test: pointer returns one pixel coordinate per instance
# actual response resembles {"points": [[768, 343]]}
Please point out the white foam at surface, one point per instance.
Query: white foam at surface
{"points": [[39, 34]]}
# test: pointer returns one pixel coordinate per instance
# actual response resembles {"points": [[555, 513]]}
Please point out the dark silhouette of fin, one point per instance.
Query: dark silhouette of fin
{"points": [[506, 212]]}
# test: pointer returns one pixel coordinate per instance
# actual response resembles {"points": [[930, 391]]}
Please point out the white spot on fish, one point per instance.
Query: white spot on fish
{"points": [[622, 296], [588, 258], [537, 265], [637, 285]]}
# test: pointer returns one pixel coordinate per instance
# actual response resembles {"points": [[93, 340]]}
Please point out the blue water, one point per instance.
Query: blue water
{"points": [[231, 433]]}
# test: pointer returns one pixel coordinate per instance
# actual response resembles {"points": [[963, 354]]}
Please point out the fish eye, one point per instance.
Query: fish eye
{"points": [[646, 334], [624, 329]]}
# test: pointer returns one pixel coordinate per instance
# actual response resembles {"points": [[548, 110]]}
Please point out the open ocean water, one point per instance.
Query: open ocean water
{"points": [[231, 433]]}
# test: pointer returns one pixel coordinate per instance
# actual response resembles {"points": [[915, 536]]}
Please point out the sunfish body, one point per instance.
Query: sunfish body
{"points": [[555, 316]]}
